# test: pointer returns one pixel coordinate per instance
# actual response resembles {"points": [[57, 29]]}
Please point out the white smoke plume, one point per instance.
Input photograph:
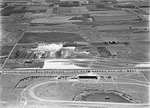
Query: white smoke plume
{"points": [[49, 47]]}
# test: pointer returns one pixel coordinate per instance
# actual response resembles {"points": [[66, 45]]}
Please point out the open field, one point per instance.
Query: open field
{"points": [[52, 1], [12, 10], [91, 7], [144, 47], [52, 27], [139, 57], [49, 37], [15, 0], [119, 49], [64, 10], [110, 13], [13, 27], [10, 36], [12, 64], [114, 18], [54, 20], [146, 74], [11, 32], [113, 27], [126, 36]]}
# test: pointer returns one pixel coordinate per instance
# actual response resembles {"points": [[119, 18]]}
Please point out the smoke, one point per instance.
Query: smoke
{"points": [[50, 47]]}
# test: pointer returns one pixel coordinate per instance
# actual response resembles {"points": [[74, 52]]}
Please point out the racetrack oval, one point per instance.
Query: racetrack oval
{"points": [[65, 90]]}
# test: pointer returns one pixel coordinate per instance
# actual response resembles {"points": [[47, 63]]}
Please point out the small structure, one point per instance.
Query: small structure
{"points": [[107, 97], [89, 76]]}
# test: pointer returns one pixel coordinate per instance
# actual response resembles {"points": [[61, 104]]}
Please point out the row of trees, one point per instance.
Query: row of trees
{"points": [[114, 42]]}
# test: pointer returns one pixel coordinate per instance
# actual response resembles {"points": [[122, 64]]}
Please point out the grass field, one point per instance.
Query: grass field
{"points": [[50, 37], [51, 27]]}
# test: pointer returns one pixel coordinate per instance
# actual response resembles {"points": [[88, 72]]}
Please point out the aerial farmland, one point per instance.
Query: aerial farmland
{"points": [[74, 54]]}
